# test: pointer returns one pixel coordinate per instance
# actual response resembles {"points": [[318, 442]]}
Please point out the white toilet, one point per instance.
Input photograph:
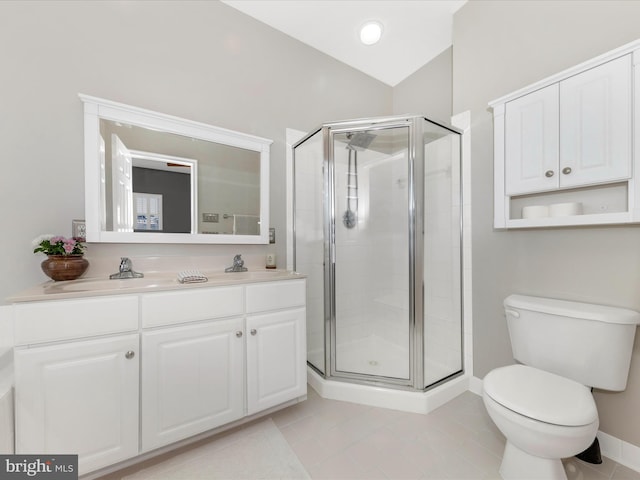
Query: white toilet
{"points": [[544, 406]]}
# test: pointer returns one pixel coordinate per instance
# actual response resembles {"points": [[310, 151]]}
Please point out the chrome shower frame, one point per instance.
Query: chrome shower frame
{"points": [[416, 198]]}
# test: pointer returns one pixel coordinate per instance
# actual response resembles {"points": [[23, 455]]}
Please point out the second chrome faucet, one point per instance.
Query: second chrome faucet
{"points": [[238, 265]]}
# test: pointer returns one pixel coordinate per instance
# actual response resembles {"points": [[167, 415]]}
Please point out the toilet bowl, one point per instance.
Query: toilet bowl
{"points": [[543, 405], [544, 417]]}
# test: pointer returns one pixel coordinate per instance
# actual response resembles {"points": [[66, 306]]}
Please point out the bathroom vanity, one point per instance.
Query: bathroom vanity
{"points": [[111, 370]]}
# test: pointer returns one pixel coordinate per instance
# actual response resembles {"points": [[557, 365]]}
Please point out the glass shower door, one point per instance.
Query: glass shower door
{"points": [[371, 311]]}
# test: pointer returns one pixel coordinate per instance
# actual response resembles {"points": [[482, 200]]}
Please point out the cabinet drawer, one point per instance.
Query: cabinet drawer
{"points": [[40, 322], [275, 295], [199, 304]]}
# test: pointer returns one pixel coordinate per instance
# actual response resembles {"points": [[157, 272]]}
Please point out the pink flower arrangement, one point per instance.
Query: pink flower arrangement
{"points": [[57, 245]]}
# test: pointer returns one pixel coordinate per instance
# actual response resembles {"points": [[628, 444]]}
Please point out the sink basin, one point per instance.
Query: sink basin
{"points": [[159, 282], [97, 285], [251, 275]]}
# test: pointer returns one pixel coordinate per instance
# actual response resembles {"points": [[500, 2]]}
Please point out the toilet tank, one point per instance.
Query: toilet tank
{"points": [[588, 343]]}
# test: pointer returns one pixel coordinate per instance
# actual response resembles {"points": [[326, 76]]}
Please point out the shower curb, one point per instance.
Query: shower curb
{"points": [[403, 400]]}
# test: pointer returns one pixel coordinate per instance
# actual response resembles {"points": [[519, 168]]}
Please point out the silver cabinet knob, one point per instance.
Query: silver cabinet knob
{"points": [[239, 333], [548, 173], [566, 170], [253, 331], [130, 354]]}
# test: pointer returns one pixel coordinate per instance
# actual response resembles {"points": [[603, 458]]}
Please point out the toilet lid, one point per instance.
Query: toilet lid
{"points": [[541, 395]]}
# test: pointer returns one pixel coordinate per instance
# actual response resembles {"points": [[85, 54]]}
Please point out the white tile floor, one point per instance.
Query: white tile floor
{"points": [[339, 440]]}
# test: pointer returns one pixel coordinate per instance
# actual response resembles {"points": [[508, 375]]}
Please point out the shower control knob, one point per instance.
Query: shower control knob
{"points": [[548, 173], [566, 170]]}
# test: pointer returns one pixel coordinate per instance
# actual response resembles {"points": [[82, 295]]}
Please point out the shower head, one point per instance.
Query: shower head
{"points": [[359, 141]]}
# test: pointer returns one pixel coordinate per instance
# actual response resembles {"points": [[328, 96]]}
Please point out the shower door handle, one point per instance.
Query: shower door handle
{"points": [[332, 245]]}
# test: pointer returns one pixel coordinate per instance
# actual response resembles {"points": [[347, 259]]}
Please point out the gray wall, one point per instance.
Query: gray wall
{"points": [[207, 62], [499, 47], [199, 60], [427, 91]]}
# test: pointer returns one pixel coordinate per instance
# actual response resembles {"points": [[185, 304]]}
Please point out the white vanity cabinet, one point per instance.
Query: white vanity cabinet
{"points": [[276, 344], [193, 380], [193, 368], [112, 377], [76, 382], [79, 398], [570, 138]]}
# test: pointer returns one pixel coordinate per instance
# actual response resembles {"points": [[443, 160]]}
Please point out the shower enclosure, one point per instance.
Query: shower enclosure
{"points": [[377, 230]]}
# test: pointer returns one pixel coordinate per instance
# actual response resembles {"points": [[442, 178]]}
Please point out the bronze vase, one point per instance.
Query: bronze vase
{"points": [[64, 267]]}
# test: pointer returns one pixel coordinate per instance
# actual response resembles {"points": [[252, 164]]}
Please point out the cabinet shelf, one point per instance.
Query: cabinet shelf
{"points": [[569, 221]]}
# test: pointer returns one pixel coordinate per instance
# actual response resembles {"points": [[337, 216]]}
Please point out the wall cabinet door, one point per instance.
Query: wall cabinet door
{"points": [[595, 125], [79, 398], [276, 360], [531, 142], [192, 380]]}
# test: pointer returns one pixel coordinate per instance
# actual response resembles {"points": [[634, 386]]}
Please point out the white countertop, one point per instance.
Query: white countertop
{"points": [[90, 287]]}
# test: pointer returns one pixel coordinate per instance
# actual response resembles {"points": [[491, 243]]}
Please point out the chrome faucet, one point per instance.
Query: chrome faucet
{"points": [[238, 265], [125, 270]]}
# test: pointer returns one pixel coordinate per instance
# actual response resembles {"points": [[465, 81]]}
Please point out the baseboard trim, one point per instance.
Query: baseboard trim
{"points": [[475, 385], [620, 451], [611, 447]]}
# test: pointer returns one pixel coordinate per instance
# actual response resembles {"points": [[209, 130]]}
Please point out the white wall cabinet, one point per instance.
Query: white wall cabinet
{"points": [[570, 138], [573, 133], [182, 363], [79, 398]]}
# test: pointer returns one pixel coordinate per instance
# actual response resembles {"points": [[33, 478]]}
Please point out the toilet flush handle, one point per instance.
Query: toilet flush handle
{"points": [[513, 313]]}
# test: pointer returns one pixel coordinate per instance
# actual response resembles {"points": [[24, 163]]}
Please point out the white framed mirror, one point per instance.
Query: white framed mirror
{"points": [[156, 178]]}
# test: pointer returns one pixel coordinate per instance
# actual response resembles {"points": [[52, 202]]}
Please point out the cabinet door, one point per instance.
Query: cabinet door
{"points": [[79, 398], [276, 358], [192, 380], [595, 125], [531, 142]]}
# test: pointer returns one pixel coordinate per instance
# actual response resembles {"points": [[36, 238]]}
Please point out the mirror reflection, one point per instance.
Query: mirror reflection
{"points": [[154, 178], [148, 191]]}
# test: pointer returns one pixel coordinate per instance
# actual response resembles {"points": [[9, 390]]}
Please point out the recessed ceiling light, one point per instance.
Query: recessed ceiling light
{"points": [[370, 33]]}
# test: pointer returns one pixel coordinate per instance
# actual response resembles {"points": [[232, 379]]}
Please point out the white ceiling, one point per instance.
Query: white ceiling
{"points": [[415, 31]]}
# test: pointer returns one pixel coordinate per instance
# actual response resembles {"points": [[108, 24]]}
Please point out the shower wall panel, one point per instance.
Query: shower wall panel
{"points": [[442, 314], [309, 240]]}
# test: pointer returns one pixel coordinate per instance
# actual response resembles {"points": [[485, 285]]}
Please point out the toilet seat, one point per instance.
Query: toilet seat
{"points": [[541, 395]]}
